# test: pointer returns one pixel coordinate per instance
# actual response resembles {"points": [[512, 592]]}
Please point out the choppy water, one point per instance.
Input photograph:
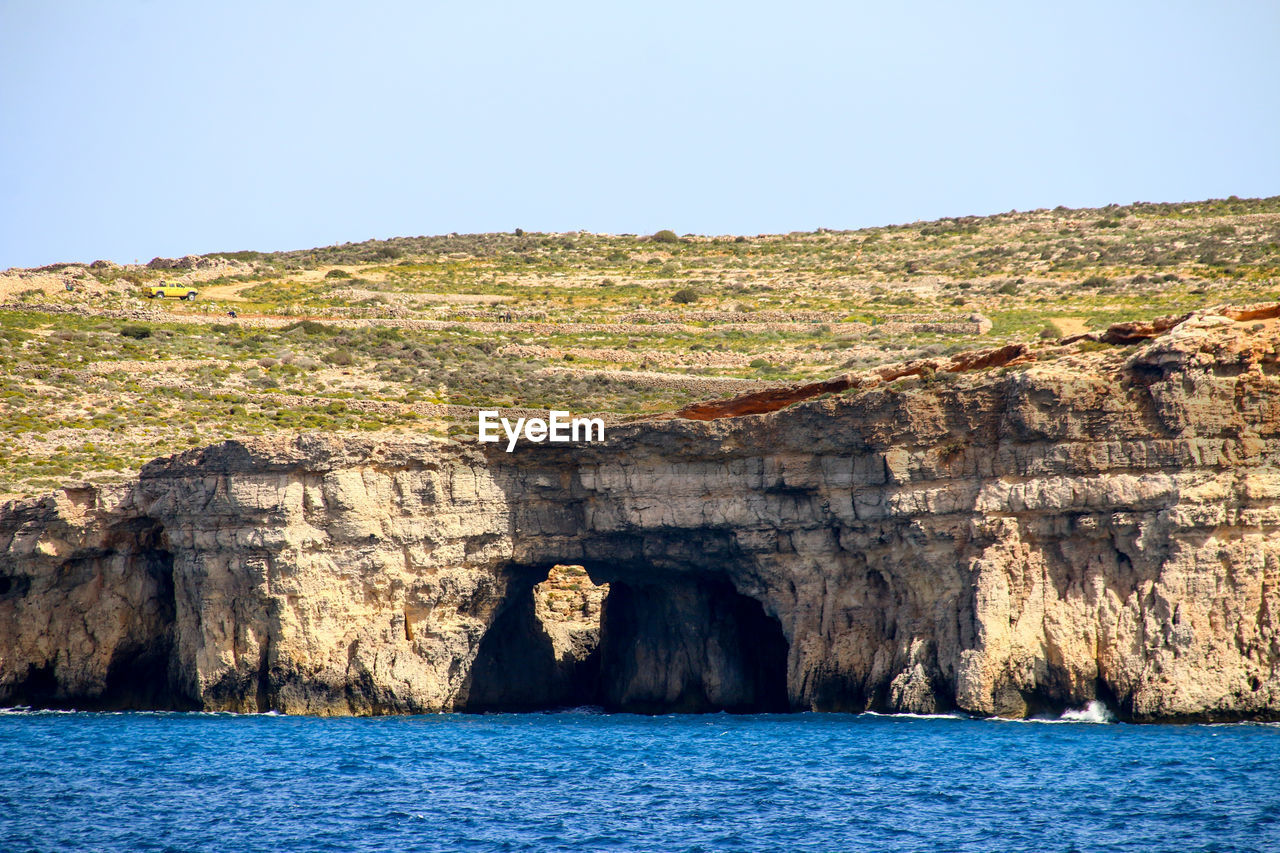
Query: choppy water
{"points": [[587, 781]]}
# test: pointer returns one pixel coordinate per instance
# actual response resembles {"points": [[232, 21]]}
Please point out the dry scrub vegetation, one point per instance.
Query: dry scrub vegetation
{"points": [[411, 334]]}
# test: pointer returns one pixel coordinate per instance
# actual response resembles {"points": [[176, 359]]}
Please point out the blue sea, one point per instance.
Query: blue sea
{"points": [[584, 781]]}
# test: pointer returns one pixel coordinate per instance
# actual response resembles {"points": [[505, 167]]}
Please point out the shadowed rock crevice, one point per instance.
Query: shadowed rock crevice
{"points": [[141, 675], [133, 663], [37, 687], [685, 645], [541, 651], [676, 644], [141, 671]]}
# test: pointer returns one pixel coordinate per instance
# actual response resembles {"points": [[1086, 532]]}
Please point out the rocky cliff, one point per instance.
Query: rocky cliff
{"points": [[1097, 523]]}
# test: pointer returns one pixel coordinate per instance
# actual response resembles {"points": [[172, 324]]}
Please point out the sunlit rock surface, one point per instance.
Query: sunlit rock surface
{"points": [[1101, 525]]}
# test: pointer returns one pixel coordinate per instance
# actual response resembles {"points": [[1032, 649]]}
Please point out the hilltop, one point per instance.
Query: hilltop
{"points": [[410, 335]]}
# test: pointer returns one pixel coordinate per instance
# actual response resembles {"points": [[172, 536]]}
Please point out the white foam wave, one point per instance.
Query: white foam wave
{"points": [[27, 710], [1094, 712], [907, 716]]}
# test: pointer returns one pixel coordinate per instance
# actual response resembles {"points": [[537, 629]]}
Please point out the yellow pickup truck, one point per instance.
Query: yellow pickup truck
{"points": [[161, 290]]}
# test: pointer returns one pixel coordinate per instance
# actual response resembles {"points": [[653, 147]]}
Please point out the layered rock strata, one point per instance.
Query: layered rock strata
{"points": [[1100, 526]]}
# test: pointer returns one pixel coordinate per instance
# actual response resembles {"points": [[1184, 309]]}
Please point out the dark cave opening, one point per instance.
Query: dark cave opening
{"points": [[660, 645], [533, 658], [38, 688], [138, 673], [690, 645]]}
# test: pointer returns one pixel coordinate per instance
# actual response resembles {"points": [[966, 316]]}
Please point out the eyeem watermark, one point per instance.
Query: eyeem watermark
{"points": [[558, 427]]}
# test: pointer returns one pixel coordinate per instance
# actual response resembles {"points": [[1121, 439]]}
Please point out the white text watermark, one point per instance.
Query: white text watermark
{"points": [[558, 427]]}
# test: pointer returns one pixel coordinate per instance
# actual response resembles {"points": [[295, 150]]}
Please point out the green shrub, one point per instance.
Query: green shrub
{"points": [[135, 331], [337, 274], [665, 236], [1096, 281], [685, 296], [310, 327]]}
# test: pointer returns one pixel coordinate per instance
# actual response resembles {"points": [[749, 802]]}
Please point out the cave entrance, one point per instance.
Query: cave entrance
{"points": [[138, 673], [657, 644], [542, 650], [682, 645]]}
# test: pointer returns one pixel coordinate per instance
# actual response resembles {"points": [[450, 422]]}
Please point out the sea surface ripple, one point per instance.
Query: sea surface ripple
{"points": [[586, 781]]}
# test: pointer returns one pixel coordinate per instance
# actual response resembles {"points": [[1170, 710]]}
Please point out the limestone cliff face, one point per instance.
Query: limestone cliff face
{"points": [[1101, 526]]}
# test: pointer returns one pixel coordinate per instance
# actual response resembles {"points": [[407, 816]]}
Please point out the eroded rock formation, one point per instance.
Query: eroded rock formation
{"points": [[1100, 525]]}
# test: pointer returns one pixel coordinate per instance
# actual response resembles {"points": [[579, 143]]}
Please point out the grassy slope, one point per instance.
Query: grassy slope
{"points": [[375, 336]]}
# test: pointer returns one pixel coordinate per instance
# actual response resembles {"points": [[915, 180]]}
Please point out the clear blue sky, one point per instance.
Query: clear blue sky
{"points": [[134, 129]]}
